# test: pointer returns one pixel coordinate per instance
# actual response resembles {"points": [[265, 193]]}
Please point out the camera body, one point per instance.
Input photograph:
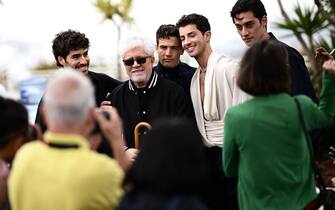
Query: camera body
{"points": [[96, 128]]}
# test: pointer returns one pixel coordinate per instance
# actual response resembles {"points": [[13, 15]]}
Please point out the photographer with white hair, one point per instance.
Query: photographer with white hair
{"points": [[62, 172]]}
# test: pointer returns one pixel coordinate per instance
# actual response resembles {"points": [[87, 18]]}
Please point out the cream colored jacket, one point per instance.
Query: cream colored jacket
{"points": [[221, 92]]}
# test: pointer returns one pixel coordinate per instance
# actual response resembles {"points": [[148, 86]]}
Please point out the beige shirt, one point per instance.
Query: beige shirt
{"points": [[221, 92]]}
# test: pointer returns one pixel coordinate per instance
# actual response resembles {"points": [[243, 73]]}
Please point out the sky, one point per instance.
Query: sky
{"points": [[27, 27]]}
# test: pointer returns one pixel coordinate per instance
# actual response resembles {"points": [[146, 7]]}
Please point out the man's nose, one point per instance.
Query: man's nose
{"points": [[168, 51], [244, 31], [83, 60], [186, 41]]}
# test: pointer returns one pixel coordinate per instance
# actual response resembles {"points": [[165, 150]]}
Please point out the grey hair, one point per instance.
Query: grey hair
{"points": [[138, 42], [68, 98]]}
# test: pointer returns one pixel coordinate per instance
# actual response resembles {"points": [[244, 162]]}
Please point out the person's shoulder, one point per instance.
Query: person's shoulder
{"points": [[305, 100], [36, 144], [238, 108], [244, 107], [103, 77], [307, 104], [291, 51], [169, 85], [227, 62], [227, 66], [119, 88], [93, 74], [28, 151], [118, 92], [187, 67], [159, 70]]}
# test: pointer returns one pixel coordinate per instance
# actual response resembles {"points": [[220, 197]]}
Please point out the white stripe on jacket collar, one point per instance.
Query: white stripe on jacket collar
{"points": [[152, 82]]}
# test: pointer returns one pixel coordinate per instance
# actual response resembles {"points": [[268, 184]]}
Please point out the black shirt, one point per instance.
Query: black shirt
{"points": [[301, 82], [181, 74]]}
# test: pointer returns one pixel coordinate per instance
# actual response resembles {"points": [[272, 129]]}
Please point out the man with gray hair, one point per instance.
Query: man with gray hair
{"points": [[62, 172], [145, 96]]}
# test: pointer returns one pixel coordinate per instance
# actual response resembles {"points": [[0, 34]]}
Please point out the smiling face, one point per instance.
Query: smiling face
{"points": [[193, 41], [76, 59], [250, 28], [138, 72], [169, 51]]}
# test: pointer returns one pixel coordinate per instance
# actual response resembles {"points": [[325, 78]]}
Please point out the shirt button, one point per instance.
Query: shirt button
{"points": [[144, 112], [138, 113], [144, 92]]}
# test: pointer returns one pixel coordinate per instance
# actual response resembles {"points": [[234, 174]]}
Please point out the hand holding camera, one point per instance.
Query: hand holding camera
{"points": [[96, 128], [110, 126], [108, 122]]}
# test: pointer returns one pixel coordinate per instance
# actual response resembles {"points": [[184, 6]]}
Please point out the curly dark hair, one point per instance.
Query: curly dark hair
{"points": [[66, 41], [167, 31], [200, 21]]}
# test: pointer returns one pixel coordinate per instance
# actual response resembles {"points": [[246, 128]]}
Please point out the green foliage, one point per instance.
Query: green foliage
{"points": [[313, 29], [111, 10], [307, 21]]}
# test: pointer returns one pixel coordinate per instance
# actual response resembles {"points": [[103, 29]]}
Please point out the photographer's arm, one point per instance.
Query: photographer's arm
{"points": [[112, 130]]}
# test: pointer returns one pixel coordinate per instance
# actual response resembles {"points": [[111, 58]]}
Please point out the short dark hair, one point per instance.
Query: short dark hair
{"points": [[264, 69], [66, 41], [13, 121], [255, 6], [167, 31], [200, 21], [172, 159]]}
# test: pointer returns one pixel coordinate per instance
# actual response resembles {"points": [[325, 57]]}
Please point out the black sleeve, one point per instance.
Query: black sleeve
{"points": [[301, 82], [39, 119]]}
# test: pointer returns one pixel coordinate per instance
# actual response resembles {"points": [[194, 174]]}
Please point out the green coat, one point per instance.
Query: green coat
{"points": [[264, 145]]}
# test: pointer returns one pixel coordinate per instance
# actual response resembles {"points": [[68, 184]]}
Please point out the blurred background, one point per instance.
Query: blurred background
{"points": [[28, 27]]}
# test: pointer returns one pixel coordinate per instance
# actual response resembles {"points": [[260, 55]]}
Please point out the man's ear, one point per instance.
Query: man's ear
{"points": [[264, 21], [61, 60], [152, 58], [43, 116], [208, 35], [90, 121]]}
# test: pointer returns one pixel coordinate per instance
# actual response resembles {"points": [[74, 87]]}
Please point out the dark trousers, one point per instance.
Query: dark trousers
{"points": [[222, 191]]}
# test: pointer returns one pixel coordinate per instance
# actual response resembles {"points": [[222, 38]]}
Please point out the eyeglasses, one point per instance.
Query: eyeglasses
{"points": [[139, 60]]}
